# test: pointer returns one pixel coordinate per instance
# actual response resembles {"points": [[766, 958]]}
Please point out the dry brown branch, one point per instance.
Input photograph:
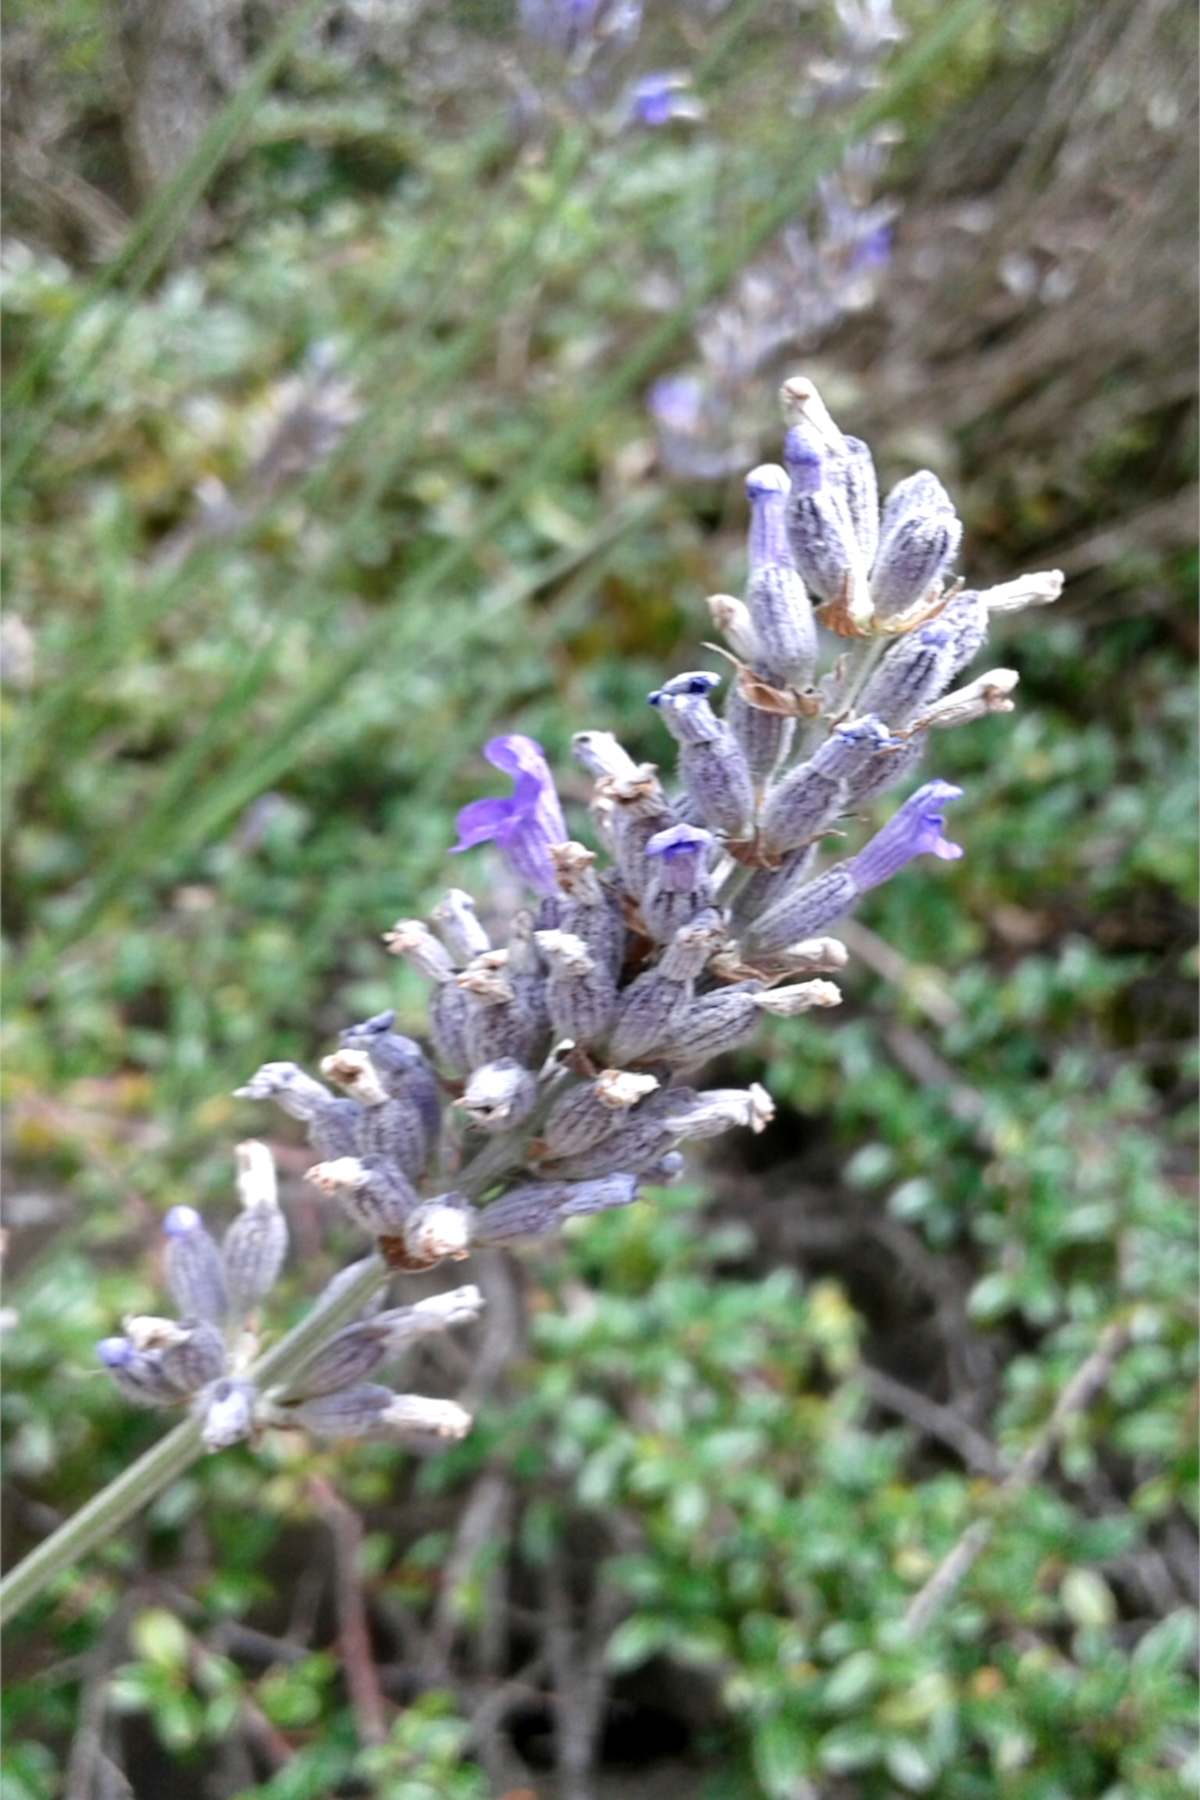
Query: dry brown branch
{"points": [[1078, 1394], [354, 1635]]}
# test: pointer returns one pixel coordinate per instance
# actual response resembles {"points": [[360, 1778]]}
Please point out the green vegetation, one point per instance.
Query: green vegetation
{"points": [[725, 1438]]}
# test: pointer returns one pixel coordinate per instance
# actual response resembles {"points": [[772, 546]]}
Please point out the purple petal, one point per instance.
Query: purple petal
{"points": [[915, 830], [480, 822]]}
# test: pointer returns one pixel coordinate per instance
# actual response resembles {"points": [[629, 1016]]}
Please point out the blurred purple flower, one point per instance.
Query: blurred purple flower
{"points": [[524, 827], [661, 97]]}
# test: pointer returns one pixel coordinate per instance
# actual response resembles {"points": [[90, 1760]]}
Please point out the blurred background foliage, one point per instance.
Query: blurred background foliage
{"points": [[329, 453]]}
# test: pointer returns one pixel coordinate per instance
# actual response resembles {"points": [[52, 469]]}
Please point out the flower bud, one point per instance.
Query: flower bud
{"points": [[912, 675], [586, 1115], [195, 1358], [461, 931], [400, 1066], [375, 1195], [580, 994], [805, 911], [438, 1230], [988, 693], [499, 1096], [765, 737], [348, 1357], [721, 1109], [331, 1122], [711, 760], [821, 533], [913, 559], [138, 1373], [195, 1274], [413, 940], [860, 490], [602, 755], [538, 1208], [255, 1245], [731, 617], [1041, 589], [678, 885]]}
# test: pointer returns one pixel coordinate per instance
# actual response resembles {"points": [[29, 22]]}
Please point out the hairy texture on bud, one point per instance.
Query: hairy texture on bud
{"points": [[538, 1208], [376, 1196], [438, 1230], [413, 940], [255, 1245], [721, 1109], [1041, 589], [400, 1066], [138, 1373], [990, 693], [580, 994], [804, 912], [194, 1270], [196, 1357], [765, 737], [601, 754]]}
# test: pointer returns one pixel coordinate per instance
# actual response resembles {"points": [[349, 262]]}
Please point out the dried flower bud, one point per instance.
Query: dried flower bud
{"points": [[413, 940], [580, 994], [538, 1208], [711, 761], [377, 1197], [195, 1273], [602, 755], [499, 1096], [721, 1109], [586, 1115], [348, 1357], [461, 931], [988, 693], [331, 1122], [1041, 589]]}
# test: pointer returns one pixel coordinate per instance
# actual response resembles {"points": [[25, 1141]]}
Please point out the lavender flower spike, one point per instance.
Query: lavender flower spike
{"points": [[915, 830], [526, 826]]}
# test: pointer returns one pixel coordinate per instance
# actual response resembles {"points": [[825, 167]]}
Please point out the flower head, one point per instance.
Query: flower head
{"points": [[524, 827], [660, 98]]}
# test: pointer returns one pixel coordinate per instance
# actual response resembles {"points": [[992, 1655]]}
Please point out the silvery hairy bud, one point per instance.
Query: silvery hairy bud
{"points": [[461, 931], [194, 1270], [678, 884], [646, 1009], [376, 1196], [723, 1021], [920, 539], [805, 912], [719, 1110], [711, 761], [499, 1096], [589, 908], [640, 1140], [966, 617], [821, 531], [368, 1411], [913, 674], [138, 1373], [400, 1065], [860, 491], [256, 1243], [348, 1357], [585, 1115], [766, 886], [885, 770], [449, 1009], [778, 605], [580, 994], [813, 795], [331, 1122], [194, 1357], [413, 940], [537, 1208], [494, 1025], [229, 1417], [526, 971]]}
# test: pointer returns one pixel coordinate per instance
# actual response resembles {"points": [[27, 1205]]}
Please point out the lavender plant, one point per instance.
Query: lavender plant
{"points": [[558, 1076], [818, 271]]}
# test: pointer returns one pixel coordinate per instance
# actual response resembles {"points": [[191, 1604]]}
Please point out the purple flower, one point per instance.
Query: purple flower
{"points": [[526, 826], [915, 830], [659, 98], [681, 851]]}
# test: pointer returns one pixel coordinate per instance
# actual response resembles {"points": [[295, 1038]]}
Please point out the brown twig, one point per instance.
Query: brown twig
{"points": [[1078, 1394], [354, 1636]]}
